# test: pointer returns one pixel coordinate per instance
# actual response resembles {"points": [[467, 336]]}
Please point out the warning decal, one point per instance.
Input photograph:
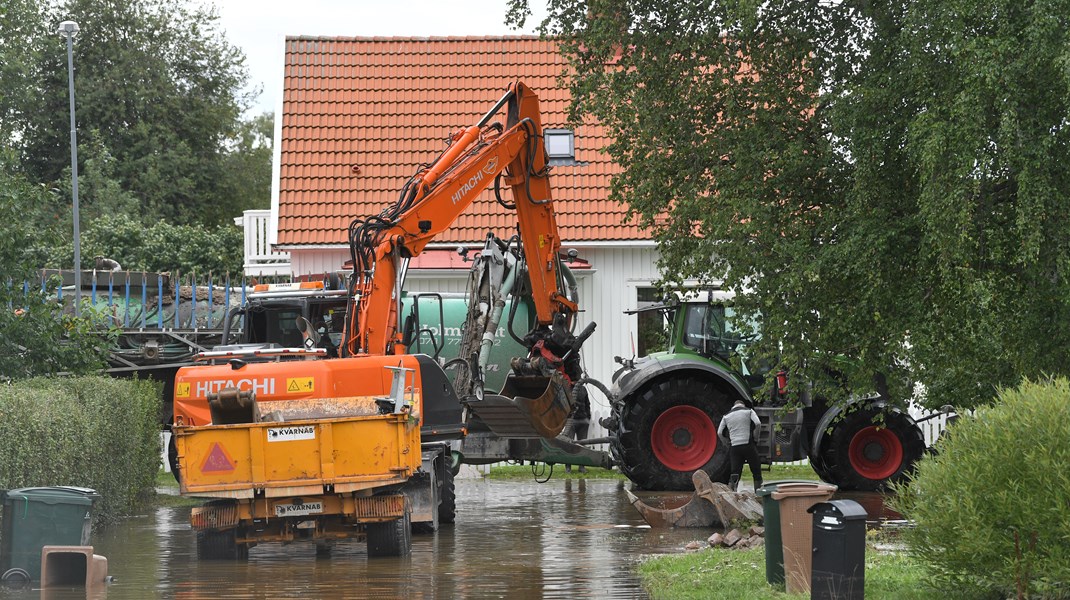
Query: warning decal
{"points": [[299, 385], [217, 460], [181, 390]]}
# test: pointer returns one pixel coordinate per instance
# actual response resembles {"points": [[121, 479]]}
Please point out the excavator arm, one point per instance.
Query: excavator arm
{"points": [[430, 203]]}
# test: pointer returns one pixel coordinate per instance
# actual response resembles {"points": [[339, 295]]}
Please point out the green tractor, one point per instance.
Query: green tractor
{"points": [[666, 408]]}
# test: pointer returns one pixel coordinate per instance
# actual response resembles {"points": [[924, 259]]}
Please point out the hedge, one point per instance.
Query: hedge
{"points": [[92, 431], [992, 506]]}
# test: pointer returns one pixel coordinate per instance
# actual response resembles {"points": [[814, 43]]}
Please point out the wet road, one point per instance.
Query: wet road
{"points": [[562, 539]]}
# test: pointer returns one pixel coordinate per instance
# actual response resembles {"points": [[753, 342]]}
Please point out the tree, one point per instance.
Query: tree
{"points": [[19, 51], [247, 162], [886, 180], [161, 89], [38, 337]]}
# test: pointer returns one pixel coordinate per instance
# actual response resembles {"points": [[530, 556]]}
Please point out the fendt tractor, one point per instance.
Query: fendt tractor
{"points": [[666, 408], [294, 443]]}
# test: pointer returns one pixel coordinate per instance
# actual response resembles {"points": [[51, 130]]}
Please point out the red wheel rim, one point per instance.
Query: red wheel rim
{"points": [[875, 453], [683, 438]]}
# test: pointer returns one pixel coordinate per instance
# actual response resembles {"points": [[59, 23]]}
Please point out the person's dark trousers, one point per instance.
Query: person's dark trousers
{"points": [[746, 453]]}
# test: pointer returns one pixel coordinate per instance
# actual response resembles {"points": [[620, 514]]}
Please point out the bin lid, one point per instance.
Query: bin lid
{"points": [[55, 495], [772, 486], [803, 488], [847, 510]]}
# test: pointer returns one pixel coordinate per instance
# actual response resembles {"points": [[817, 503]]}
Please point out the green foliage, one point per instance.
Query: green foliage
{"points": [[37, 337], [160, 246], [159, 102], [991, 507], [740, 574], [886, 180], [94, 432], [161, 85]]}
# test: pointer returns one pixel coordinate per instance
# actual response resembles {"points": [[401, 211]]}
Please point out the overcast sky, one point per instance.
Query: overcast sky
{"points": [[260, 27]]}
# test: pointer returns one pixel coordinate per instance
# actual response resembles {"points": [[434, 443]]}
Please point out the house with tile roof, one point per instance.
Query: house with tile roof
{"points": [[359, 115]]}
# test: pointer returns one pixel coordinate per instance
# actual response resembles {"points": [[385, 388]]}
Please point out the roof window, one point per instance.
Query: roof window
{"points": [[560, 146]]}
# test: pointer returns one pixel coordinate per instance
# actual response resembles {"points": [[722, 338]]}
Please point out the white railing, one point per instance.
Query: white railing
{"points": [[260, 260]]}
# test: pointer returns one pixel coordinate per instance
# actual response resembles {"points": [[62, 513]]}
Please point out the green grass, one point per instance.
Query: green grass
{"points": [[170, 497], [784, 471], [542, 471], [165, 479], [740, 575]]}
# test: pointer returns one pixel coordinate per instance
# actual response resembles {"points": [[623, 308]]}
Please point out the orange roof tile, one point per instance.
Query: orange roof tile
{"points": [[361, 114]]}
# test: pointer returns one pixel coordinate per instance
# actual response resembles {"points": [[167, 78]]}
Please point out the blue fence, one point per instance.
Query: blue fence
{"points": [[139, 300]]}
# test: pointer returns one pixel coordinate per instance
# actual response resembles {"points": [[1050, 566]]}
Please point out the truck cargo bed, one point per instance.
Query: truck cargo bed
{"points": [[310, 456]]}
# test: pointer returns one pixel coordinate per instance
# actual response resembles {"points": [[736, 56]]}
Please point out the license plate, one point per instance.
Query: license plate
{"points": [[298, 510]]}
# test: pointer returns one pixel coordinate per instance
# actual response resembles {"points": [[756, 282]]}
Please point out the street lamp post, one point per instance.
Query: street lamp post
{"points": [[69, 29]]}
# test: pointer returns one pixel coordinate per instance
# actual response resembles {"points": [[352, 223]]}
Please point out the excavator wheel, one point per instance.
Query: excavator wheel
{"points": [[669, 430], [861, 453]]}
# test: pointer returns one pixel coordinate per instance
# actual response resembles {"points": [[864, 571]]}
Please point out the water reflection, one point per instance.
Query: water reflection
{"points": [[562, 539]]}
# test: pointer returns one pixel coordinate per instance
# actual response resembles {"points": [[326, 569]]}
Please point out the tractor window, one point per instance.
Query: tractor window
{"points": [[653, 324], [711, 329]]}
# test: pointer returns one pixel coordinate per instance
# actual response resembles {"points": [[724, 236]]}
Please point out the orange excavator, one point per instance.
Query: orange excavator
{"points": [[430, 202], [295, 445]]}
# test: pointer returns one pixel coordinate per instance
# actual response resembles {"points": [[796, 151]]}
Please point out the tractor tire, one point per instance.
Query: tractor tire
{"points": [[447, 508], [392, 538], [220, 545], [860, 455], [669, 430]]}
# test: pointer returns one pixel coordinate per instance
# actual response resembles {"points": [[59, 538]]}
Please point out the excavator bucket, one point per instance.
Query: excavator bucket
{"points": [[528, 406], [714, 504]]}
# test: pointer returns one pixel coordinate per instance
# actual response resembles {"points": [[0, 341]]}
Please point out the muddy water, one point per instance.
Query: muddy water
{"points": [[563, 539]]}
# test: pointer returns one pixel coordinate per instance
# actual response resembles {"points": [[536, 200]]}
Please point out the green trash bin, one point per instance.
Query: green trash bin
{"points": [[774, 540], [37, 517]]}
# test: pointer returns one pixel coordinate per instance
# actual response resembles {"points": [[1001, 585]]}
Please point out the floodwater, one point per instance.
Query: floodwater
{"points": [[512, 539]]}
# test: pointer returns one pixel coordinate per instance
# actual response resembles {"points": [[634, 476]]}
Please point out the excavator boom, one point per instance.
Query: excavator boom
{"points": [[429, 204]]}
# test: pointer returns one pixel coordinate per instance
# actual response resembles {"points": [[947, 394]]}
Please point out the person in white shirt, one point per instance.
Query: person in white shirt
{"points": [[741, 425]]}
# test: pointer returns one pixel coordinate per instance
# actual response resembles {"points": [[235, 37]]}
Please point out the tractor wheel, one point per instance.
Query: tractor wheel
{"points": [[447, 508], [669, 430], [392, 538], [861, 453], [220, 545]]}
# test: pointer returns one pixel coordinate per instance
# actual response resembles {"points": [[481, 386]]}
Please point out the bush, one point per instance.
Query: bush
{"points": [[94, 432], [992, 508]]}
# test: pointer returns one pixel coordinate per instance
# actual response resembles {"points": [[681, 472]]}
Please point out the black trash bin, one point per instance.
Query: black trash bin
{"points": [[839, 559], [38, 517]]}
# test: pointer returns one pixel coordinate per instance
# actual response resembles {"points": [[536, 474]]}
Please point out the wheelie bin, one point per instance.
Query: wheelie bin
{"points": [[41, 516], [839, 554], [787, 529]]}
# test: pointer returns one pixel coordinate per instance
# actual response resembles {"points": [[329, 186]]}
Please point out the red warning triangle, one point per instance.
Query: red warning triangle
{"points": [[217, 461]]}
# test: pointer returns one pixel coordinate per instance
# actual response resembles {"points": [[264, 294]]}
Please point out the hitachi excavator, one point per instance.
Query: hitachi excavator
{"points": [[322, 449]]}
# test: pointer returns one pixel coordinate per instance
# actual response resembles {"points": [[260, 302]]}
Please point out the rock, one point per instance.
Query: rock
{"points": [[692, 546], [732, 537], [757, 530], [715, 540]]}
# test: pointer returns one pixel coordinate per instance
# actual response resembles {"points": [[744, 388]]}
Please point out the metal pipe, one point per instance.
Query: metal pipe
{"points": [[69, 29]]}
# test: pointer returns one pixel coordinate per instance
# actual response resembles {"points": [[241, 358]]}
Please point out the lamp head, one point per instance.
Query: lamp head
{"points": [[68, 29]]}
